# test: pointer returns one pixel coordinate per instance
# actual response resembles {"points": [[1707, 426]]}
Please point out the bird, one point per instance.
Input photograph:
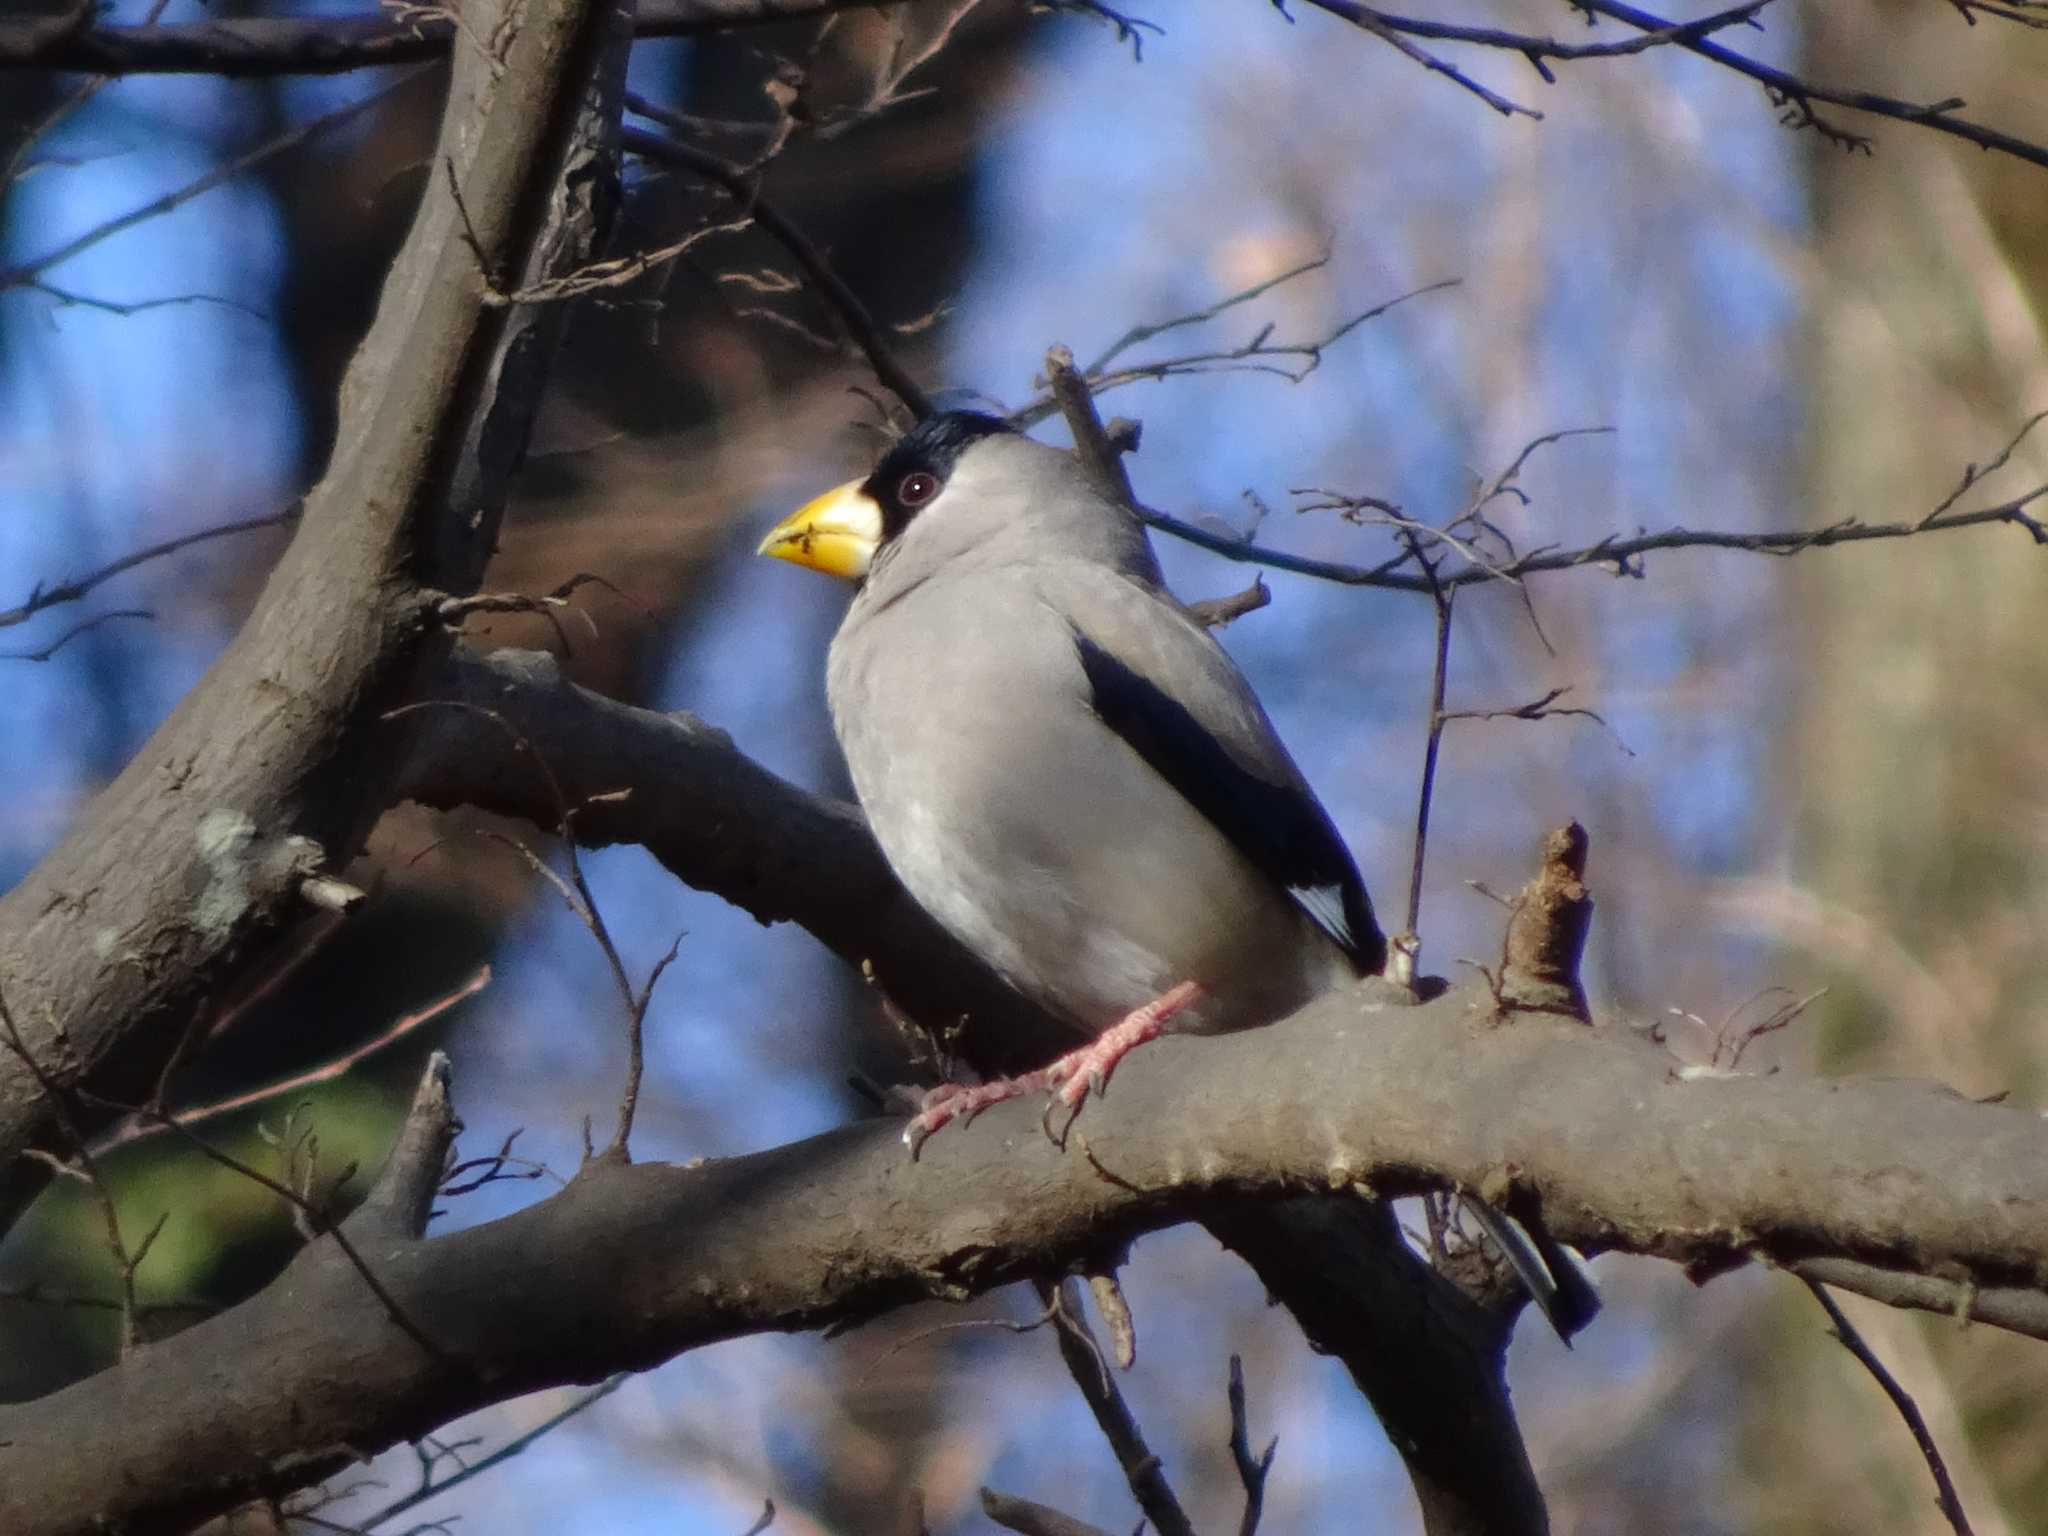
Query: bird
{"points": [[1060, 762], [1063, 766]]}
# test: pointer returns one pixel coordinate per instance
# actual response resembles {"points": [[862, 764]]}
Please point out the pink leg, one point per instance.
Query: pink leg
{"points": [[1069, 1077]]}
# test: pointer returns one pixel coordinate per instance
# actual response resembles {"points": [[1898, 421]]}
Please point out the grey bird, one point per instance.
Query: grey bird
{"points": [[1064, 767]]}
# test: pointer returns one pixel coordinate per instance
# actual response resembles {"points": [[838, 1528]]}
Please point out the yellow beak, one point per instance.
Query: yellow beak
{"points": [[835, 533]]}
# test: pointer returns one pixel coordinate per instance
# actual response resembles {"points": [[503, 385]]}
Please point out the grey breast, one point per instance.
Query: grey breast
{"points": [[1033, 832]]}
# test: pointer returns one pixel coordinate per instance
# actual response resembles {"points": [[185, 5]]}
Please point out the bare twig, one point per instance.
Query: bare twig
{"points": [[1137, 335], [1794, 95], [37, 1294], [71, 634], [67, 298], [576, 894], [474, 1173], [41, 597], [1115, 1312], [842, 301], [1542, 709], [1251, 1470], [1621, 553], [1091, 1373], [317, 1214], [1371, 21], [137, 1127], [1031, 1519], [1215, 612], [1972, 473], [1945, 1497], [430, 1487], [1787, 88], [269, 149], [1129, 29], [85, 1168], [1262, 354], [1541, 51], [1098, 455]]}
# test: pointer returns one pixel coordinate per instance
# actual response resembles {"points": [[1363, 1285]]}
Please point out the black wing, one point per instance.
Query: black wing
{"points": [[1283, 830]]}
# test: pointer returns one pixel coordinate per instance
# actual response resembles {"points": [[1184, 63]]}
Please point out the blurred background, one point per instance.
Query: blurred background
{"points": [[1828, 771]]}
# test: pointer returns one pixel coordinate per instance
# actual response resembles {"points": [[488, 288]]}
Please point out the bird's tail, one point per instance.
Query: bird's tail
{"points": [[1551, 1276]]}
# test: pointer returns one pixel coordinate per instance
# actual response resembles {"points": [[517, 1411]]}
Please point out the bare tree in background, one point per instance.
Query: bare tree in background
{"points": [[361, 691]]}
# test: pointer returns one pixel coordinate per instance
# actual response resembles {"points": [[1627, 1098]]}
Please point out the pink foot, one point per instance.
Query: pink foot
{"points": [[1069, 1078], [958, 1101]]}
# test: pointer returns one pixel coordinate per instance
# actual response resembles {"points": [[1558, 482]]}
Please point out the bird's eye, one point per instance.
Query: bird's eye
{"points": [[917, 488]]}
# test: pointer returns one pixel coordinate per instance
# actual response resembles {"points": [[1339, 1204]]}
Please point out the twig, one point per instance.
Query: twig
{"points": [[318, 1217], [67, 299], [1253, 356], [429, 1488], [1137, 335], [291, 138], [1945, 1497], [1972, 473], [1371, 21], [41, 597], [1251, 1471], [1790, 88], [1085, 1363], [1215, 612], [1031, 1519], [1613, 550], [86, 1170], [474, 1173], [1129, 29], [71, 634], [37, 1294], [1540, 709], [575, 893], [1099, 457], [136, 1127], [842, 301], [1541, 51]]}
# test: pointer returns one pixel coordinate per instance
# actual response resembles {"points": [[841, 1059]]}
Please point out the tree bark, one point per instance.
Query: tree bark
{"points": [[113, 949], [632, 1264]]}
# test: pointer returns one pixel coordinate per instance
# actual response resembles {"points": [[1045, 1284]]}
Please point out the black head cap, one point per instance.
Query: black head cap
{"points": [[929, 449]]}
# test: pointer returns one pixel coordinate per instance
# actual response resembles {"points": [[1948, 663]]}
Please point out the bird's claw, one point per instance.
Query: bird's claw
{"points": [[1068, 1081], [960, 1101]]}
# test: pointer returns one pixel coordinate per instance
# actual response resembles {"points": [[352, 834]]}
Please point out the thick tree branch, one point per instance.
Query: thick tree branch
{"points": [[719, 822], [1428, 1357], [114, 944], [632, 1264], [724, 824]]}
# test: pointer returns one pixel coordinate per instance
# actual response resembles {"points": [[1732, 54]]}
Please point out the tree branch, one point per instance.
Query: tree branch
{"points": [[1624, 554], [718, 821], [262, 45], [723, 824], [268, 770], [1789, 89], [632, 1264]]}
